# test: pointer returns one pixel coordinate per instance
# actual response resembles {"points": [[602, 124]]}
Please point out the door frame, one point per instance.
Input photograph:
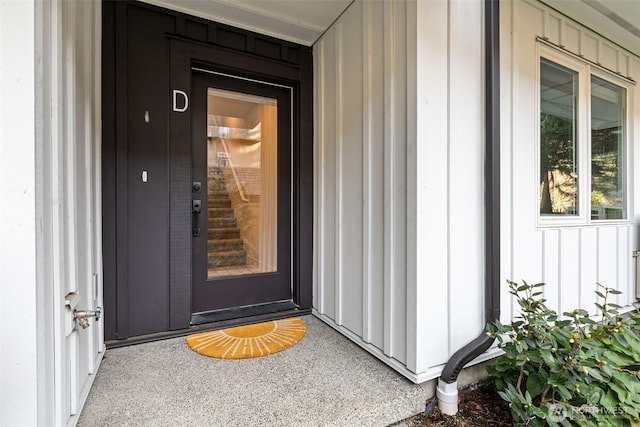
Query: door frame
{"points": [[184, 55], [214, 45], [214, 298]]}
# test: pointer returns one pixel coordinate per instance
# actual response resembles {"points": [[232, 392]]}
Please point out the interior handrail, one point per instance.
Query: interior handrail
{"points": [[243, 197]]}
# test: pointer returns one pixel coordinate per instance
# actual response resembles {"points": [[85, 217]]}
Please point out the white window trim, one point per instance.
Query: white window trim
{"points": [[585, 70]]}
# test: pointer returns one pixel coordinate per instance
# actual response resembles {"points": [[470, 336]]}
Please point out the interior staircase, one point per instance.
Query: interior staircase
{"points": [[225, 247]]}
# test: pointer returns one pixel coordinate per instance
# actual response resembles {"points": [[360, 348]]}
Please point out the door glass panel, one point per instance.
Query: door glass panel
{"points": [[242, 183]]}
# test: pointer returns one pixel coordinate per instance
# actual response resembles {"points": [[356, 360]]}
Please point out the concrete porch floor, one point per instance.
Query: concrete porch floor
{"points": [[324, 380]]}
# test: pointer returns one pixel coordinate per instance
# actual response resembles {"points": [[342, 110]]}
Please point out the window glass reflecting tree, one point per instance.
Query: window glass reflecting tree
{"points": [[558, 140]]}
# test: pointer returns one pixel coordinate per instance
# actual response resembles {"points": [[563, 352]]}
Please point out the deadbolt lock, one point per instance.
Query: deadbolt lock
{"points": [[83, 316]]}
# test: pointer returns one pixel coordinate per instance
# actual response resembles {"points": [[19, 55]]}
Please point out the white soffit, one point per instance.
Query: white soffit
{"points": [[618, 20], [299, 21]]}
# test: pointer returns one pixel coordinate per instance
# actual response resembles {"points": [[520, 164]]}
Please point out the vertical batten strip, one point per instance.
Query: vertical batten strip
{"points": [[618, 269], [448, 183], [598, 258], [580, 47], [562, 32], [339, 232], [55, 173], [86, 23], [399, 159], [389, 96], [69, 144], [47, 281], [412, 322], [97, 162], [367, 148], [373, 165], [83, 23], [318, 182], [624, 64], [330, 149], [507, 234]]}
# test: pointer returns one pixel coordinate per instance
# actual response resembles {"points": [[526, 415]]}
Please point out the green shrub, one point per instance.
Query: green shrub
{"points": [[571, 370]]}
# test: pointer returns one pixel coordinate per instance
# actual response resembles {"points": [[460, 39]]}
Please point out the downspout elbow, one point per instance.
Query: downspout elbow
{"points": [[447, 389]]}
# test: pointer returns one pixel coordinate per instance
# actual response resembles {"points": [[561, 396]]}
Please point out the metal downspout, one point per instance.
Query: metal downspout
{"points": [[447, 389]]}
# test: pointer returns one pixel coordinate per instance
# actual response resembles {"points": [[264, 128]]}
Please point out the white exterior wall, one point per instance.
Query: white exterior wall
{"points": [[50, 210], [22, 343], [399, 254], [570, 260], [399, 148]]}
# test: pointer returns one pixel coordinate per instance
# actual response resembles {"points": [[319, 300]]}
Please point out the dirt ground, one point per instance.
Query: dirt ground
{"points": [[481, 407]]}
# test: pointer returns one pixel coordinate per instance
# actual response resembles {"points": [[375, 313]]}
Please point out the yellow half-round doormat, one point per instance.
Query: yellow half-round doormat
{"points": [[243, 342]]}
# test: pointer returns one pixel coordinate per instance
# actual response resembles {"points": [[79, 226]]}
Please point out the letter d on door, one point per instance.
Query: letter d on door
{"points": [[176, 94]]}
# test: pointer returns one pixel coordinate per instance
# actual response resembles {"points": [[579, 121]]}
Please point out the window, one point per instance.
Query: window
{"points": [[558, 139], [607, 150], [582, 153]]}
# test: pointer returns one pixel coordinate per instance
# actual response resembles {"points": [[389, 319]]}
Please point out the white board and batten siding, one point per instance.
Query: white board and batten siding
{"points": [[398, 180], [570, 260], [50, 54], [399, 252]]}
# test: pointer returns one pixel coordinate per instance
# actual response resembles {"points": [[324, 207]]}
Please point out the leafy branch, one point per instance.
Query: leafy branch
{"points": [[589, 369]]}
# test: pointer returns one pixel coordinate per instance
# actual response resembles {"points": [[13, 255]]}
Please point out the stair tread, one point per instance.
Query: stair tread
{"points": [[218, 245], [221, 218], [223, 233], [219, 203], [222, 223], [215, 212], [229, 253], [227, 258]]}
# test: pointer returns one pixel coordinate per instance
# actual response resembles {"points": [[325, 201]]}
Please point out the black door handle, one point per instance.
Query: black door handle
{"points": [[196, 208]]}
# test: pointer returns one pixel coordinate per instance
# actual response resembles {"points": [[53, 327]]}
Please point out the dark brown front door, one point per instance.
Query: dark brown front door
{"points": [[241, 136], [252, 259]]}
